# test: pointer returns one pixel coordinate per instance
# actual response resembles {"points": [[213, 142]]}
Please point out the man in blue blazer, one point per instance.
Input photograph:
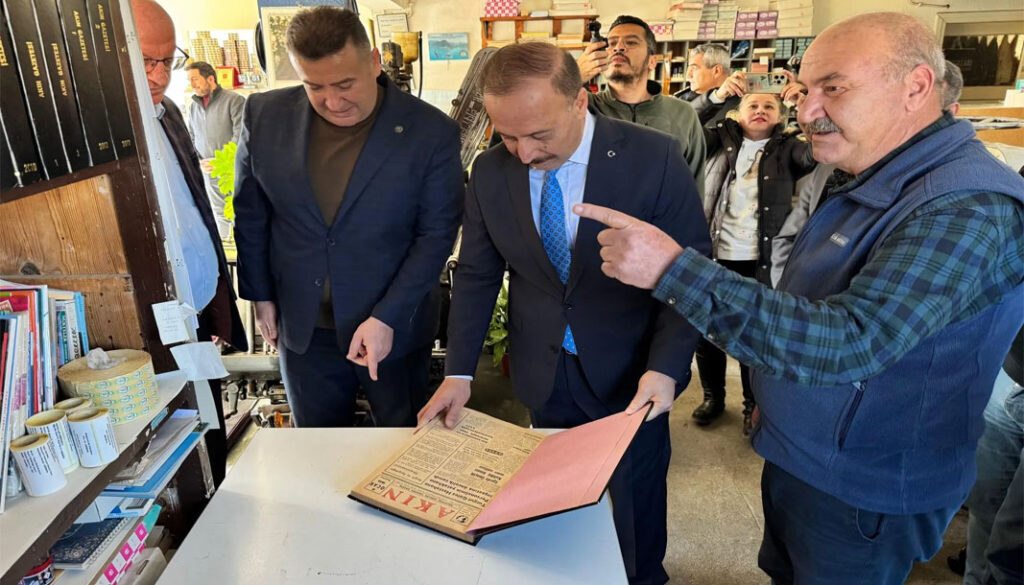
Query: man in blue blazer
{"points": [[582, 345], [348, 194]]}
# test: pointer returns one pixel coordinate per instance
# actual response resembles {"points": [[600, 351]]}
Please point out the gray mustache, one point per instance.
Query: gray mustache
{"points": [[822, 125]]}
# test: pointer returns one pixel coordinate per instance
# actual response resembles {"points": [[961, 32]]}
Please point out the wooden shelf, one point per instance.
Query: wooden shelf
{"points": [[588, 18], [487, 27], [32, 525], [63, 180]]}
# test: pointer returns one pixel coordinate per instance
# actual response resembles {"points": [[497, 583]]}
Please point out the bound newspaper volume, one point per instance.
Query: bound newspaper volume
{"points": [[485, 474]]}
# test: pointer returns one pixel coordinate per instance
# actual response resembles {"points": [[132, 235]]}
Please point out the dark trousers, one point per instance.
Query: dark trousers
{"points": [[812, 538], [711, 359], [638, 487], [321, 385]]}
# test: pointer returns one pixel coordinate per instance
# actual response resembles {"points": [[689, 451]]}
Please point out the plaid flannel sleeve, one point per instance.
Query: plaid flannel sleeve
{"points": [[945, 262]]}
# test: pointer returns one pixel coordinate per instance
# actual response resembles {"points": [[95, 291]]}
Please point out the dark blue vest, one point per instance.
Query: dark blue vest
{"points": [[902, 441]]}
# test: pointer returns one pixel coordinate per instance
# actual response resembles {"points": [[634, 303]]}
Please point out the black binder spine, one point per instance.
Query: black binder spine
{"points": [[63, 89], [81, 54], [109, 69], [31, 59], [20, 147]]}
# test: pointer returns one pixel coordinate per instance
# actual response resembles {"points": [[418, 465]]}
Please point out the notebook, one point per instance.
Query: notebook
{"points": [[82, 544]]}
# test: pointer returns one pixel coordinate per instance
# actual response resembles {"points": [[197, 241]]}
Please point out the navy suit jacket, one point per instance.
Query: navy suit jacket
{"points": [[620, 331], [395, 228]]}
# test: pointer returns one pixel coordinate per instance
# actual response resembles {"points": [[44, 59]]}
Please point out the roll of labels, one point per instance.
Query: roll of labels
{"points": [[58, 442], [120, 380]]}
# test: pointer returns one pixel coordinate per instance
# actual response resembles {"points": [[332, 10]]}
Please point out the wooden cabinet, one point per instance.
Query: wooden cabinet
{"points": [[98, 231], [487, 27]]}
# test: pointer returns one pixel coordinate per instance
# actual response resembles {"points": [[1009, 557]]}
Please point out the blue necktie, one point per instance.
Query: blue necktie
{"points": [[552, 235]]}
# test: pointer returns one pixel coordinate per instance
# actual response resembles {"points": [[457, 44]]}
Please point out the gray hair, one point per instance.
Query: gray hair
{"points": [[714, 54], [910, 43], [952, 85]]}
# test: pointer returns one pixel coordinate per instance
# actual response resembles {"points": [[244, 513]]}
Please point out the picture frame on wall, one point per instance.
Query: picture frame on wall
{"points": [[448, 46], [275, 16], [275, 25], [389, 22]]}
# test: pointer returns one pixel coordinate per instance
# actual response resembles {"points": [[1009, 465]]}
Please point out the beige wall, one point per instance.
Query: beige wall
{"points": [[440, 16], [464, 16]]}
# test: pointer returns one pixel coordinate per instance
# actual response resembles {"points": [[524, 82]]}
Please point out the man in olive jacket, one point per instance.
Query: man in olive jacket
{"points": [[631, 96]]}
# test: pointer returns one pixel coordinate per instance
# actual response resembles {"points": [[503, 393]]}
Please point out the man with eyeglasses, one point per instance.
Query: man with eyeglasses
{"points": [[707, 71], [208, 289], [626, 59]]}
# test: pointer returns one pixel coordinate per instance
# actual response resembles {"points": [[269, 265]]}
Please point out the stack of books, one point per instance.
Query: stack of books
{"points": [[41, 329], [569, 39], [537, 37], [795, 17], [687, 17], [572, 9], [64, 107]]}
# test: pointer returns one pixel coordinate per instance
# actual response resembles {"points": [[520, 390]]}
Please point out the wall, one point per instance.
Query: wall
{"points": [[443, 78]]}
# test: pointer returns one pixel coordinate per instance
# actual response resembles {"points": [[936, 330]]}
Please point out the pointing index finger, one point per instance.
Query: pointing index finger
{"points": [[607, 216]]}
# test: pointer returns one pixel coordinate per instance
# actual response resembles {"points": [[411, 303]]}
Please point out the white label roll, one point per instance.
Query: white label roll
{"points": [[55, 424], [93, 436], [38, 465], [72, 404]]}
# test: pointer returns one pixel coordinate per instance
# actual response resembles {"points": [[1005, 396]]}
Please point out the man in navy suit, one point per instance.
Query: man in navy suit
{"points": [[348, 194], [582, 345]]}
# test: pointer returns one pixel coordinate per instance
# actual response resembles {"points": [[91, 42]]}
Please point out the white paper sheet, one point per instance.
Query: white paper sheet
{"points": [[199, 361]]}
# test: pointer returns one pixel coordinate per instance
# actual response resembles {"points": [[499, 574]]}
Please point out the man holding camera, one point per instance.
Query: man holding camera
{"points": [[626, 59]]}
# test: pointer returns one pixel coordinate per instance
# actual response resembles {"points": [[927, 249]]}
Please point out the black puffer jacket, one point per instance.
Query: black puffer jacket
{"points": [[786, 158]]}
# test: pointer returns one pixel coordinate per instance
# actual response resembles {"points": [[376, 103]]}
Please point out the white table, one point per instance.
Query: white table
{"points": [[283, 516]]}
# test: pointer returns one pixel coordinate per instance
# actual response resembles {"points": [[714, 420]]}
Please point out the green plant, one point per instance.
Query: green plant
{"points": [[497, 331], [223, 163]]}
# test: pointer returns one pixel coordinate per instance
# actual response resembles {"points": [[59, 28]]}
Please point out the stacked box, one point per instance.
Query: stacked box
{"points": [[687, 16], [767, 24], [499, 8], [745, 29], [662, 30], [795, 17]]}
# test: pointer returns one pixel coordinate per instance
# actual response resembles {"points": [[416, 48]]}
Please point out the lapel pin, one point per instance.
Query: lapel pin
{"points": [[399, 129], [611, 154]]}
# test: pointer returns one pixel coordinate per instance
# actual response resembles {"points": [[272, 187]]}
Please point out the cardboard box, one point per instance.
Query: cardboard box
{"points": [[767, 33]]}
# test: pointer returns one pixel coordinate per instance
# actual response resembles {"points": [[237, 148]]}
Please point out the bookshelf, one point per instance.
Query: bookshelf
{"points": [[487, 27], [676, 54], [99, 231]]}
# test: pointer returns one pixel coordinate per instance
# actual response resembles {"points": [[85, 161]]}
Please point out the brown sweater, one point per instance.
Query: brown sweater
{"points": [[333, 152]]}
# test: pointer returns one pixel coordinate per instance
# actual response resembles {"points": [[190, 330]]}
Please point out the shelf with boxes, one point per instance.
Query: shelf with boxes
{"points": [[556, 36], [746, 56]]}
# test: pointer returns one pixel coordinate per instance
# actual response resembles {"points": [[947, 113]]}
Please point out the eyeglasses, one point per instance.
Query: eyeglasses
{"points": [[172, 63]]}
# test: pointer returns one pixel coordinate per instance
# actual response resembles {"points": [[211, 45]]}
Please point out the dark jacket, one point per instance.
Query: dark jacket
{"points": [[709, 112], [633, 169], [786, 158], [901, 441], [673, 117], [220, 317], [385, 248]]}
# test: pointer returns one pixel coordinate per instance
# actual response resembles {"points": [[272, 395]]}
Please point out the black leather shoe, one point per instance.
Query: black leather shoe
{"points": [[712, 408]]}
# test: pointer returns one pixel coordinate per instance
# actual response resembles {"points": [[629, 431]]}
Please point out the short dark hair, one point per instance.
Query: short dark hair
{"points": [[317, 32], [513, 63], [648, 33], [204, 69]]}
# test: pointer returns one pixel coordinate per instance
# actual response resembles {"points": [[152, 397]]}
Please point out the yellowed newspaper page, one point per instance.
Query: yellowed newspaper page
{"points": [[443, 478]]}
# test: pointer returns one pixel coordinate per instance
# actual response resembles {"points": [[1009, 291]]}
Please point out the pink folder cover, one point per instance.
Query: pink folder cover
{"points": [[569, 469]]}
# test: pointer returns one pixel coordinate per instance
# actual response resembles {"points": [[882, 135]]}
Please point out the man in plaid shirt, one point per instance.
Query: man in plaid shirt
{"points": [[875, 357]]}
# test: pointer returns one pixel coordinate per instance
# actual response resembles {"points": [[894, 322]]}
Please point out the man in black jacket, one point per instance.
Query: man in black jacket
{"points": [[208, 287], [707, 71]]}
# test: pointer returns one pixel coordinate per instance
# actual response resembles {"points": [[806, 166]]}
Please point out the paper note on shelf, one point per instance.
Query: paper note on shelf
{"points": [[199, 361], [171, 321]]}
